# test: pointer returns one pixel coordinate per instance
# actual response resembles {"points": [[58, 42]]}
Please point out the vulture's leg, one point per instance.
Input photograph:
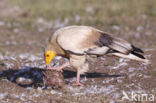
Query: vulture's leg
{"points": [[78, 80], [60, 67], [81, 65]]}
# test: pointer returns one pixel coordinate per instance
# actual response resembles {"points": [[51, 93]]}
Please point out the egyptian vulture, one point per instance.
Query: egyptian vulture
{"points": [[80, 43]]}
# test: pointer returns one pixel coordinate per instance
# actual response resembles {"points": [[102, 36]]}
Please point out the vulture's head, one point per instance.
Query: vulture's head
{"points": [[49, 55]]}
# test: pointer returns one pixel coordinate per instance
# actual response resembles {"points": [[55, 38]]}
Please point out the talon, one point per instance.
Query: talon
{"points": [[77, 84], [49, 68], [58, 69]]}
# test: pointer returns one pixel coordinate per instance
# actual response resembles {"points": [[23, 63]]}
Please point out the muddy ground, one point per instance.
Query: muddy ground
{"points": [[105, 82], [109, 77]]}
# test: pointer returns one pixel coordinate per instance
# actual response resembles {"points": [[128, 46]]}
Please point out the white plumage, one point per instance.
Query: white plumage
{"points": [[78, 43]]}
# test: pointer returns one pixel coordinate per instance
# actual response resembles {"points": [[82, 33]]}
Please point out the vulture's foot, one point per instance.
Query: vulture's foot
{"points": [[77, 84], [59, 69]]}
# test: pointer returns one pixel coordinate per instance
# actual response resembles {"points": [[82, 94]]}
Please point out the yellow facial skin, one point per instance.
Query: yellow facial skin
{"points": [[49, 55]]}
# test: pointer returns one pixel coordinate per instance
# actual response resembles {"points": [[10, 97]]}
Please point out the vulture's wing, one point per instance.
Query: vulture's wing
{"points": [[117, 44], [114, 43], [77, 40], [92, 41]]}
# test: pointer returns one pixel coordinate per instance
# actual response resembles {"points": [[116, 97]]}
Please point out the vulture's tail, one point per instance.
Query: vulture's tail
{"points": [[133, 56], [118, 47]]}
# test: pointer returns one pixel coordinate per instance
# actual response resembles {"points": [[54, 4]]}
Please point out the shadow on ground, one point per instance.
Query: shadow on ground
{"points": [[34, 76]]}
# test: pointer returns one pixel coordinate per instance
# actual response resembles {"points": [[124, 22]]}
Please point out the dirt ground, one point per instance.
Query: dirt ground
{"points": [[109, 77], [105, 82]]}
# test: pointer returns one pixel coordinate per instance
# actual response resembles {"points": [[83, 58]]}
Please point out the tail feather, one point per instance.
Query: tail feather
{"points": [[135, 49], [138, 55], [133, 56], [119, 47]]}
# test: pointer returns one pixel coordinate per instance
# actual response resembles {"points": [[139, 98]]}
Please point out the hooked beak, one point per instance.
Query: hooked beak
{"points": [[49, 55]]}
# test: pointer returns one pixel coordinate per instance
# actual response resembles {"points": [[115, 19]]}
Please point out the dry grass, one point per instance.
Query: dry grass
{"points": [[91, 12]]}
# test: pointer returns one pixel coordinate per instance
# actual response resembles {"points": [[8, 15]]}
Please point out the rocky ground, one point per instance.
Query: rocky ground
{"points": [[107, 81]]}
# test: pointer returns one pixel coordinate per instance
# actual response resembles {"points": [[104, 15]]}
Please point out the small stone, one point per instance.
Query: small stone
{"points": [[24, 81]]}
